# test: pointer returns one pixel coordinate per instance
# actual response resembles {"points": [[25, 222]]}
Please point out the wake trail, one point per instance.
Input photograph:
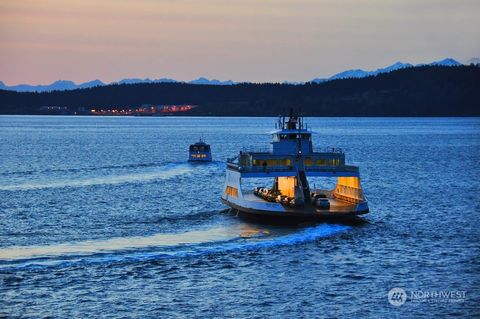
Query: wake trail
{"points": [[139, 177], [161, 246]]}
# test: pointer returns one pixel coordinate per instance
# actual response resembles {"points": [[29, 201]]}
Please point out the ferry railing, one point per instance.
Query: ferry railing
{"points": [[232, 160], [267, 150], [258, 169], [256, 150], [336, 150]]}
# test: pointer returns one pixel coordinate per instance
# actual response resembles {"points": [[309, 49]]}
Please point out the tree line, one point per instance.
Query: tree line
{"points": [[416, 91]]}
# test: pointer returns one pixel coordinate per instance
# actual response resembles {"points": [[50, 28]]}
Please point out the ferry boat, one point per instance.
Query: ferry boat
{"points": [[287, 165], [200, 152]]}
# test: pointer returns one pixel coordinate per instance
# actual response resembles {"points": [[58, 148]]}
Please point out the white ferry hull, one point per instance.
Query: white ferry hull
{"points": [[273, 212]]}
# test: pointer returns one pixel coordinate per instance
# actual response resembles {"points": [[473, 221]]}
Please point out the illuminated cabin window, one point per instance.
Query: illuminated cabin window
{"points": [[308, 162], [334, 162], [260, 162], [272, 162], [322, 162], [231, 191], [284, 162], [198, 156], [257, 162]]}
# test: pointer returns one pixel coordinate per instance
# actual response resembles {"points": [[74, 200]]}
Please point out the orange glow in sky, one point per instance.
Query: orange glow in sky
{"points": [[268, 40]]}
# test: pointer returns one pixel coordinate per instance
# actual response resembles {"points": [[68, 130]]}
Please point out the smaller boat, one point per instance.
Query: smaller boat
{"points": [[200, 152]]}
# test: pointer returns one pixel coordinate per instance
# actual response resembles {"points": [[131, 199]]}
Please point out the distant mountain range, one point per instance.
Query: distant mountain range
{"points": [[61, 85], [359, 73]]}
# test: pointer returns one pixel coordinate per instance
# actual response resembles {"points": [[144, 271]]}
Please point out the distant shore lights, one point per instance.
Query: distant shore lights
{"points": [[143, 110]]}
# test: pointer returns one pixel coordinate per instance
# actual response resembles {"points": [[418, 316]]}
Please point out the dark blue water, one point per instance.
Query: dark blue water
{"points": [[104, 217]]}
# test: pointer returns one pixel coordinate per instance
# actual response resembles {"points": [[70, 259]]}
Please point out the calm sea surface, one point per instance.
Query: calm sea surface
{"points": [[103, 217]]}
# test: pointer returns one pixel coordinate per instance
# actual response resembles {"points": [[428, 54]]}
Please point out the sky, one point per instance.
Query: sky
{"points": [[242, 40]]}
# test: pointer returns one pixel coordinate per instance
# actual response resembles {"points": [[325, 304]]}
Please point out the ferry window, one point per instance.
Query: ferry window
{"points": [[284, 162], [232, 191], [195, 148], [295, 136], [334, 162], [308, 162], [271, 162], [259, 162], [321, 162]]}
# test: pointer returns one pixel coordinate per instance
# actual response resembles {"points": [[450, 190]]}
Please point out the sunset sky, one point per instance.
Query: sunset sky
{"points": [[245, 40]]}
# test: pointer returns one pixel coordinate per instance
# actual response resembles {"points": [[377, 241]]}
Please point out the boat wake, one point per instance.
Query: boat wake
{"points": [[81, 169], [241, 237], [166, 172], [104, 168]]}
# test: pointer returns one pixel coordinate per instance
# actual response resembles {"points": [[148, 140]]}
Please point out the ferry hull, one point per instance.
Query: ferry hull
{"points": [[292, 217], [202, 160]]}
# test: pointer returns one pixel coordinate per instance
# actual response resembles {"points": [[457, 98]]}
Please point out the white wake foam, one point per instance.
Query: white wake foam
{"points": [[118, 244], [218, 239], [103, 180]]}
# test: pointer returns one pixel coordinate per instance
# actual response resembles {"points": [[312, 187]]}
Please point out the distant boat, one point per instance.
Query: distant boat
{"points": [[287, 166], [200, 152]]}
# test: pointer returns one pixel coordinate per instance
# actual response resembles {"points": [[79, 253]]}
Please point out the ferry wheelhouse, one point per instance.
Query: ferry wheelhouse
{"points": [[287, 165], [200, 152]]}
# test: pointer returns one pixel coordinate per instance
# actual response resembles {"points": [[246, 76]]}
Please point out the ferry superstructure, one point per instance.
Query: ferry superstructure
{"points": [[287, 165]]}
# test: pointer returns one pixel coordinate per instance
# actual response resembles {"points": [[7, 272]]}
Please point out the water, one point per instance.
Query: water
{"points": [[104, 217]]}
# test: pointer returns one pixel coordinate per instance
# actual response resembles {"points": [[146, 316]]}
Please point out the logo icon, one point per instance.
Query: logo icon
{"points": [[397, 297]]}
